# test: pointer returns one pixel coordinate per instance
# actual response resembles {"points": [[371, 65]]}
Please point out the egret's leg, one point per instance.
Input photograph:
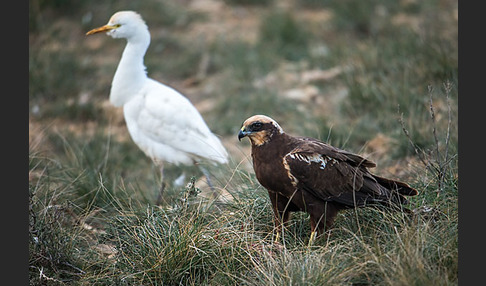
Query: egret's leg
{"points": [[162, 186], [208, 180]]}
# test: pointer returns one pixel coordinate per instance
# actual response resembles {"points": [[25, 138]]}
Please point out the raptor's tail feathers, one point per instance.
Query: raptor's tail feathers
{"points": [[400, 187]]}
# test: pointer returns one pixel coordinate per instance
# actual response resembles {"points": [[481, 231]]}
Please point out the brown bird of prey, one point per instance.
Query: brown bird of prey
{"points": [[305, 174]]}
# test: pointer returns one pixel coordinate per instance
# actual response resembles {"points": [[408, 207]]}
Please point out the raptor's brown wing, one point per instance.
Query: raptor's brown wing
{"points": [[331, 174]]}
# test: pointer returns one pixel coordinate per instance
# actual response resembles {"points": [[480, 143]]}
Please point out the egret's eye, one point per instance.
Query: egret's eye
{"points": [[256, 126]]}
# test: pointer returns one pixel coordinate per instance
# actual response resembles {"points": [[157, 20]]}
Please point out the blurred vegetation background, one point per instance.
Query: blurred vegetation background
{"points": [[379, 78]]}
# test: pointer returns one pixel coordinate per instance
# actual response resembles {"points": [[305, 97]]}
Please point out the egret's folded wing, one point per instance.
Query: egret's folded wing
{"points": [[169, 118]]}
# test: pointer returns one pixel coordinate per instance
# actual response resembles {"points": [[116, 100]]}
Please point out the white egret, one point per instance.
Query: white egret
{"points": [[161, 121]]}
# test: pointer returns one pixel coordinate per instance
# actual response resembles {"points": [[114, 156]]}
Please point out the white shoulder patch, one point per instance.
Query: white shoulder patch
{"points": [[314, 158]]}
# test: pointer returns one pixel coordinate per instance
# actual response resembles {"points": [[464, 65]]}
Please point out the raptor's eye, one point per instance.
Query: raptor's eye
{"points": [[256, 126]]}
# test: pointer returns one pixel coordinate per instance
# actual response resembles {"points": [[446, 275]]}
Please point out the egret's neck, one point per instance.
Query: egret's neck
{"points": [[130, 74]]}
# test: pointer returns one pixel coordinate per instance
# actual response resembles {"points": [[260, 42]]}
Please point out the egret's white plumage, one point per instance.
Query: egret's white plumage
{"points": [[161, 121]]}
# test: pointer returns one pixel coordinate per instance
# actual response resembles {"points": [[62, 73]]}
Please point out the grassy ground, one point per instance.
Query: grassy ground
{"points": [[376, 77]]}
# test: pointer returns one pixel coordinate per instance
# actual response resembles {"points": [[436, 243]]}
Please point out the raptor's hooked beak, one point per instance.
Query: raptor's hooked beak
{"points": [[243, 133], [101, 29]]}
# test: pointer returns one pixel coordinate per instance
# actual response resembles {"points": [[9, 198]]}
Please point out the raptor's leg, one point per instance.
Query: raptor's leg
{"points": [[281, 212], [322, 219]]}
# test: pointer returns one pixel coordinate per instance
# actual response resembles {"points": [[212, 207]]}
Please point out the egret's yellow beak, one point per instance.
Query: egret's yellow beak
{"points": [[104, 28]]}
